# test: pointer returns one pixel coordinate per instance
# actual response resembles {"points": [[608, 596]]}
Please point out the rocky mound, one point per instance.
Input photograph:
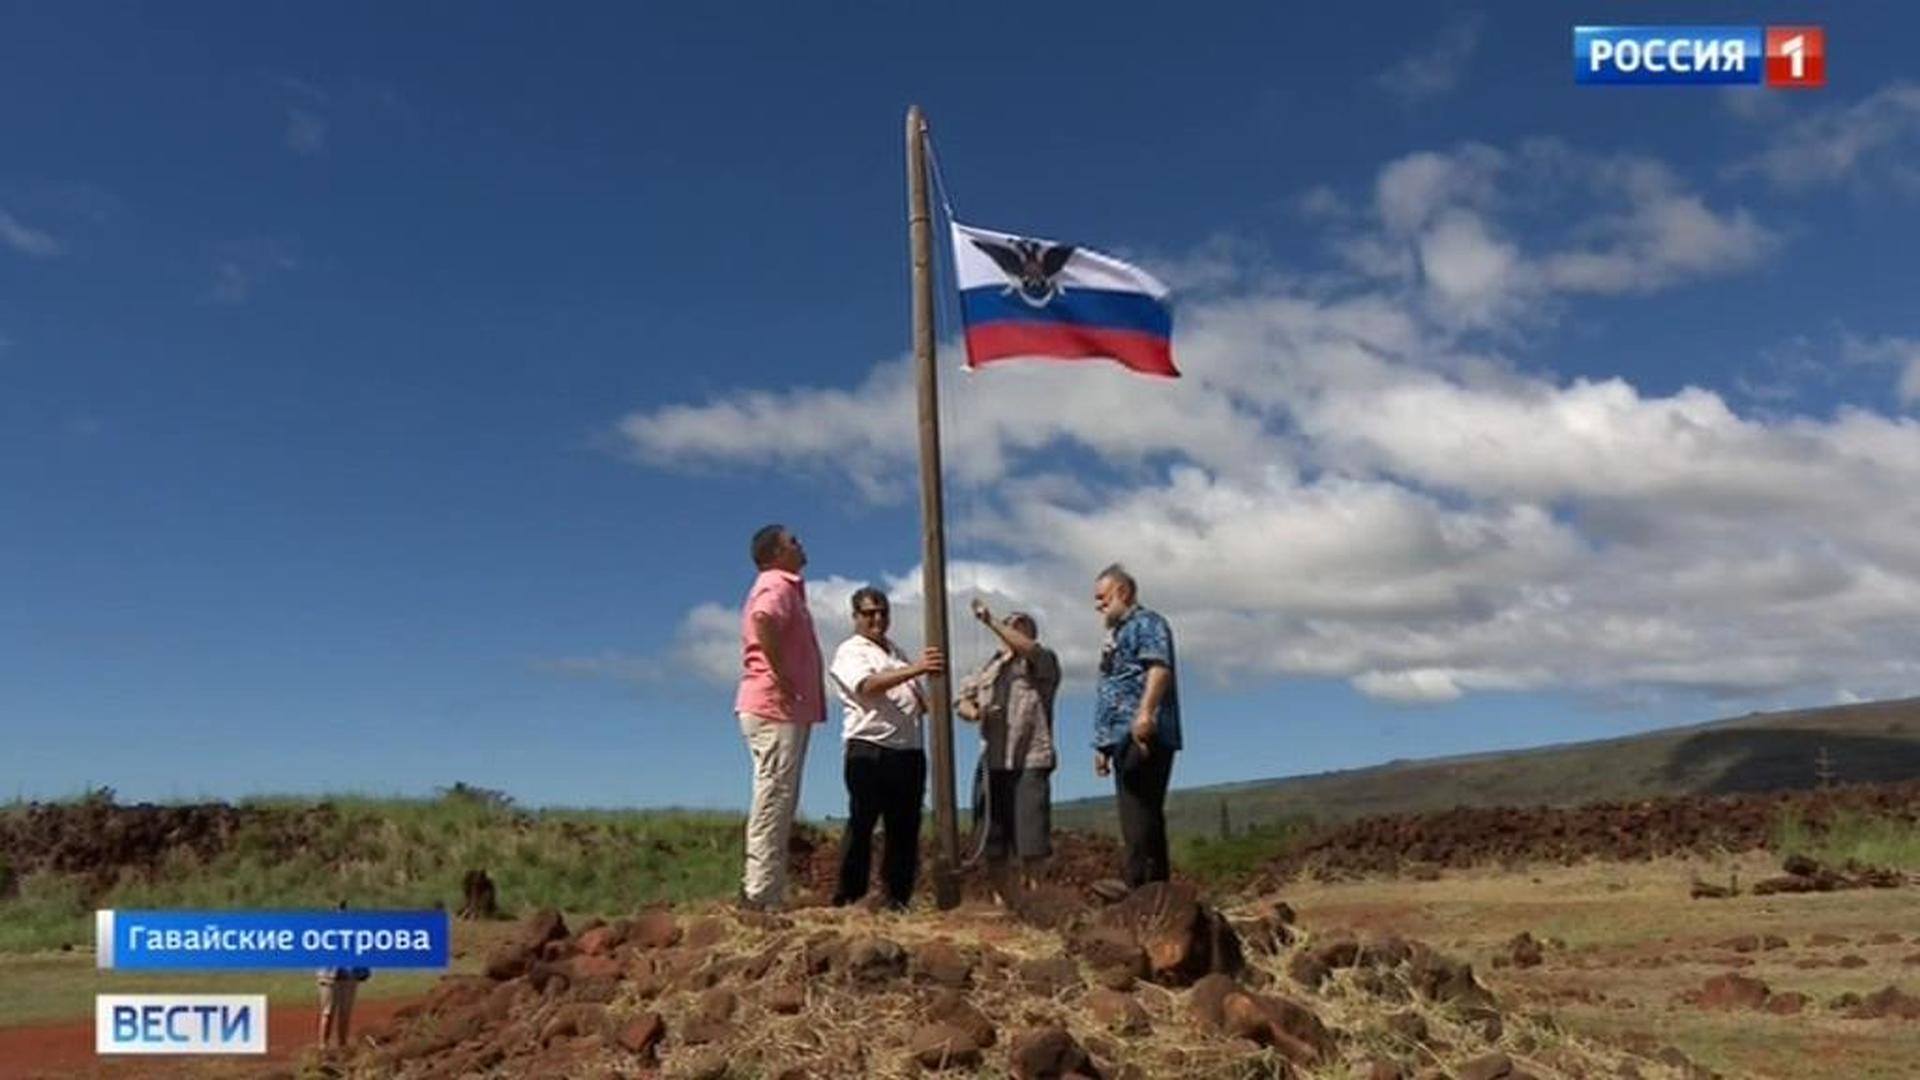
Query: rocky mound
{"points": [[1734, 992], [1808, 875], [1157, 984]]}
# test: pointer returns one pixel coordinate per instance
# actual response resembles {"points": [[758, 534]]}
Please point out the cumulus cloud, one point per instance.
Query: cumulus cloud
{"points": [[871, 431], [1834, 144], [1351, 483], [1451, 224]]}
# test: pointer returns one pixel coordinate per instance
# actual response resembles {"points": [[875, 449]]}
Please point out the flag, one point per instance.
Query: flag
{"points": [[1025, 297]]}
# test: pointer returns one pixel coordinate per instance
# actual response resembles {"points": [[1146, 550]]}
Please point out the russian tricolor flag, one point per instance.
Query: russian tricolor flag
{"points": [[1025, 297]]}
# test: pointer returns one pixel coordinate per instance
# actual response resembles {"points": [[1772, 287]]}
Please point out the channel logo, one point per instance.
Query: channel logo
{"points": [[1796, 57], [180, 1023], [1783, 57]]}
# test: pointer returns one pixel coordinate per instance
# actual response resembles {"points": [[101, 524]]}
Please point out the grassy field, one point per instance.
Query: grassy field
{"points": [[1853, 837], [394, 853], [1868, 743], [1226, 862]]}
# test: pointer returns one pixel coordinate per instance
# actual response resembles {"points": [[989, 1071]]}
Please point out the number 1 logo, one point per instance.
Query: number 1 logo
{"points": [[1796, 57]]}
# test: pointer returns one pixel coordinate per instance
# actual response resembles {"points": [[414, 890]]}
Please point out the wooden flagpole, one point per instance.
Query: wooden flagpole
{"points": [[946, 871]]}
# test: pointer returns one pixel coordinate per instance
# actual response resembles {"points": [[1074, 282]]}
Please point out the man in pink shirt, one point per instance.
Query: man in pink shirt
{"points": [[782, 695]]}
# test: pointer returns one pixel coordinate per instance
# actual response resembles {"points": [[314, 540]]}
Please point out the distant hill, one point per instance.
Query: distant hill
{"points": [[1877, 742]]}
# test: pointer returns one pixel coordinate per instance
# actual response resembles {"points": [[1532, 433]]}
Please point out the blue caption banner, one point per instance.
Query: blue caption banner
{"points": [[1669, 55], [257, 940]]}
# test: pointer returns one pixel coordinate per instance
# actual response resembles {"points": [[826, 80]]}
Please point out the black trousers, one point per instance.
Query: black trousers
{"points": [[883, 786], [1140, 784]]}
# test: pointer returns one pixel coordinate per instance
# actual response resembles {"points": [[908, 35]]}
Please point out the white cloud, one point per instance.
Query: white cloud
{"points": [[1593, 224], [1467, 266], [26, 240], [1411, 687], [1412, 190], [1901, 353], [1836, 144], [1438, 69], [1345, 486], [1492, 238], [1661, 236], [871, 432]]}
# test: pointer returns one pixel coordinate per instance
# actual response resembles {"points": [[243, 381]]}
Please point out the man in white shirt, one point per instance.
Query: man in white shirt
{"points": [[886, 769]]}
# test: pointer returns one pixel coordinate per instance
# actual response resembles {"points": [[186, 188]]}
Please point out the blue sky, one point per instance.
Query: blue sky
{"points": [[386, 395]]}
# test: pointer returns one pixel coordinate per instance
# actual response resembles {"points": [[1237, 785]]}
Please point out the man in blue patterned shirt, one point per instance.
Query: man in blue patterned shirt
{"points": [[1136, 722]]}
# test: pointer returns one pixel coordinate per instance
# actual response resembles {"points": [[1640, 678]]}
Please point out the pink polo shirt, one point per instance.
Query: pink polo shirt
{"points": [[783, 597]]}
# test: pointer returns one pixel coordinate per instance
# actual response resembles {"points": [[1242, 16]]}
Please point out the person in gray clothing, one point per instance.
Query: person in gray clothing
{"points": [[1011, 698]]}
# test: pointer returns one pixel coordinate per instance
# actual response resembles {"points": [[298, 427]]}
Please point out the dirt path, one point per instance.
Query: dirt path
{"points": [[65, 1049]]}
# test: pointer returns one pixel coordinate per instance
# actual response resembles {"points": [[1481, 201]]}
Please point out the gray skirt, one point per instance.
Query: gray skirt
{"points": [[1019, 806]]}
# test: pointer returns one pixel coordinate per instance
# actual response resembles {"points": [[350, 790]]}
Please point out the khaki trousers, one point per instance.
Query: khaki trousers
{"points": [[779, 750], [336, 1009]]}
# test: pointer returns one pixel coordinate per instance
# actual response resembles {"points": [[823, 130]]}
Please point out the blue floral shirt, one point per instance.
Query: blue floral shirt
{"points": [[1142, 640]]}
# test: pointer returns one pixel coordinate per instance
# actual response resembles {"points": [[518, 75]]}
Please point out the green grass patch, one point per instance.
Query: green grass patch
{"points": [[1878, 841], [47, 911], [1226, 862]]}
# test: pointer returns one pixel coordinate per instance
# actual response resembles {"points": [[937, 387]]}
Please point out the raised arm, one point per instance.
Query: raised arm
{"points": [[1017, 642]]}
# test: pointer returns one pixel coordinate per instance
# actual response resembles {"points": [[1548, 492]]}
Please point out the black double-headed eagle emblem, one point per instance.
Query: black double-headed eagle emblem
{"points": [[1030, 265]]}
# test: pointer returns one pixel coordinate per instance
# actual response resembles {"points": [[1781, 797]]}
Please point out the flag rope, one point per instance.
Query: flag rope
{"points": [[939, 178]]}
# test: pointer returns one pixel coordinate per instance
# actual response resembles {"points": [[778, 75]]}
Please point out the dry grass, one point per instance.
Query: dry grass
{"points": [[848, 1031], [1631, 933]]}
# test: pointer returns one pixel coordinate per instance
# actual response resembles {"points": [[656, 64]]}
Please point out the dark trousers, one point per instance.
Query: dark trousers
{"points": [[883, 785], [1140, 783]]}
